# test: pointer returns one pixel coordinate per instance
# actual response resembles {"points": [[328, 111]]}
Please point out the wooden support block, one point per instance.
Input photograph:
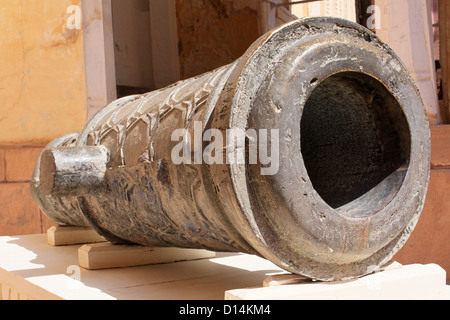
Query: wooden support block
{"points": [[284, 279], [63, 236], [281, 279], [107, 255]]}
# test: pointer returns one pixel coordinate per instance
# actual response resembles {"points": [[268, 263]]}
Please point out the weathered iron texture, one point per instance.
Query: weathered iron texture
{"points": [[354, 158]]}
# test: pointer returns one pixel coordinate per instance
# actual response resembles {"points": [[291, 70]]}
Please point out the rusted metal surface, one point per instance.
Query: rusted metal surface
{"points": [[352, 171]]}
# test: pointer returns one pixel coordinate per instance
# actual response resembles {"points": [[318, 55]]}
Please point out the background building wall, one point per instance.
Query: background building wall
{"points": [[42, 96], [214, 33], [42, 85], [336, 8], [430, 241], [406, 26], [132, 43]]}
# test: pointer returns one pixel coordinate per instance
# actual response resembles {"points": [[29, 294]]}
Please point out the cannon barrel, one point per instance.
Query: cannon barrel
{"points": [[312, 150]]}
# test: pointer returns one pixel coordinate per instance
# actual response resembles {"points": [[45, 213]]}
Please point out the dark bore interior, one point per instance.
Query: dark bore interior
{"points": [[355, 142]]}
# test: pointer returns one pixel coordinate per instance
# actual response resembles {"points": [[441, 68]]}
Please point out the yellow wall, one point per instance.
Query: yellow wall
{"points": [[42, 79]]}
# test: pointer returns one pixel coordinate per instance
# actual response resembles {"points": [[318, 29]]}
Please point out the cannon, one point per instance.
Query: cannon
{"points": [[312, 151]]}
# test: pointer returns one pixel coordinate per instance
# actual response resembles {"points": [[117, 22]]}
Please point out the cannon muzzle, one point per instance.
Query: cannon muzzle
{"points": [[312, 150]]}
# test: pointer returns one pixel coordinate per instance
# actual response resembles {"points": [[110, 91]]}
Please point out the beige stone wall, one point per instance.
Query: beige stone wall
{"points": [[19, 213], [42, 96], [42, 84]]}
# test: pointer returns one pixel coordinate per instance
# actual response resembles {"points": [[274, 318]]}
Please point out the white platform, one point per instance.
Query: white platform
{"points": [[411, 282], [31, 269]]}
